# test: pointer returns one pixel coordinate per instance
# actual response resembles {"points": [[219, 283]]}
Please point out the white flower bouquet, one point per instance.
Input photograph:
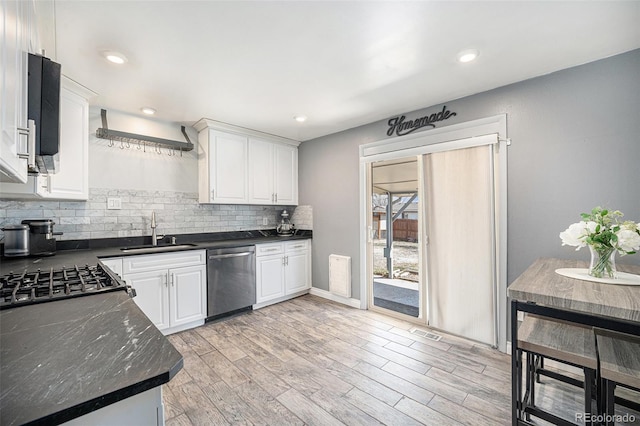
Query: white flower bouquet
{"points": [[605, 234]]}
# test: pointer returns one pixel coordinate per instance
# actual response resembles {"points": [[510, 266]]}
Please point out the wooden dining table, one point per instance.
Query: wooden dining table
{"points": [[542, 291]]}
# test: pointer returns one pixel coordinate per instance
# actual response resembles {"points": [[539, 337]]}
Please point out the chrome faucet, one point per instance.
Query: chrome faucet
{"points": [[154, 238]]}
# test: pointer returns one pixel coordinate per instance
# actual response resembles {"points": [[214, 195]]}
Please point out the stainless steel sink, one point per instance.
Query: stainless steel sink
{"points": [[156, 249]]}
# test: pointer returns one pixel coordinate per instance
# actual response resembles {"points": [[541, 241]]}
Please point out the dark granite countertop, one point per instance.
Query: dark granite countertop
{"points": [[63, 359], [87, 253]]}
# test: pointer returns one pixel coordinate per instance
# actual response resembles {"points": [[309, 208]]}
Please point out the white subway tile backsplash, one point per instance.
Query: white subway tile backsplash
{"points": [[302, 217], [25, 214], [176, 213]]}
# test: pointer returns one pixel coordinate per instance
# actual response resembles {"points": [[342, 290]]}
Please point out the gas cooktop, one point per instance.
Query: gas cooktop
{"points": [[26, 288]]}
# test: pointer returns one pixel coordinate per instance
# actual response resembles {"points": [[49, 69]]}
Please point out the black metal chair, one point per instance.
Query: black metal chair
{"points": [[618, 365], [567, 343]]}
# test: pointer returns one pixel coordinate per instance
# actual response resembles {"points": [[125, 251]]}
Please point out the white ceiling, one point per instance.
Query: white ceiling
{"points": [[256, 64]]}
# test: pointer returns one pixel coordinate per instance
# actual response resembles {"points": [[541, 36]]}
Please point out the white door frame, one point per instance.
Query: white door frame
{"points": [[414, 144]]}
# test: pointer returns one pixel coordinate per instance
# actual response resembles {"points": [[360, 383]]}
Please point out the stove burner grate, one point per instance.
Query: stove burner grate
{"points": [[42, 286]]}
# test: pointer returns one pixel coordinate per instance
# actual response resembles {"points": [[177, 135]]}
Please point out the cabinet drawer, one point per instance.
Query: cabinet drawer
{"points": [[152, 262], [290, 246], [269, 249]]}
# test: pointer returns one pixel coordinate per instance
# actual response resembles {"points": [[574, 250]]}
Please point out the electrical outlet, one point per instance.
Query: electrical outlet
{"points": [[265, 220], [114, 204]]}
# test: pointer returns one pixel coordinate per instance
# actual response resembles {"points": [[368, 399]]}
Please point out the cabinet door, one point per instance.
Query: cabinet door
{"points": [[152, 295], [269, 278], [286, 174], [188, 294], [229, 162], [72, 181], [14, 80], [261, 189], [296, 272]]}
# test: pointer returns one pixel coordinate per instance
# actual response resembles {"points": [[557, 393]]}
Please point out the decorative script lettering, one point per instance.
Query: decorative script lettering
{"points": [[400, 127]]}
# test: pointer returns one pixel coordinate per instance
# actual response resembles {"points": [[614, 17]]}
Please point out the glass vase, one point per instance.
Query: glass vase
{"points": [[603, 262]]}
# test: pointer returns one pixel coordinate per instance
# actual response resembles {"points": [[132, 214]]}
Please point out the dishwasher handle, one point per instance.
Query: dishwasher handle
{"points": [[225, 256]]}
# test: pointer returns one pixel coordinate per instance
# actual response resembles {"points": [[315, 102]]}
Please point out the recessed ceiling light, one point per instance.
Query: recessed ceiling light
{"points": [[115, 57], [300, 118], [468, 55], [148, 110]]}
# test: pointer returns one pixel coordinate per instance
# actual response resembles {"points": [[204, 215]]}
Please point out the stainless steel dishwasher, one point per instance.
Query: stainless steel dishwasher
{"points": [[231, 280]]}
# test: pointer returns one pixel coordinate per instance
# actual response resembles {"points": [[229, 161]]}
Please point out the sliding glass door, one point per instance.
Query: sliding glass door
{"points": [[433, 223]]}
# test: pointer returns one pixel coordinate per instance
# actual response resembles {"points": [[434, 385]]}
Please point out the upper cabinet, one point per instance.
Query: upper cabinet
{"points": [[273, 173], [26, 26], [72, 181], [222, 167], [16, 41], [285, 174], [241, 166]]}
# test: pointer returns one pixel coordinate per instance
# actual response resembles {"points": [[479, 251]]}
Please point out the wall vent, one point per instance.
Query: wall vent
{"points": [[426, 334], [340, 275]]}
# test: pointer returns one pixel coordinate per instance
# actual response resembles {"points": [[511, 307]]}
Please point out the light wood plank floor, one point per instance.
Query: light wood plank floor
{"points": [[312, 361]]}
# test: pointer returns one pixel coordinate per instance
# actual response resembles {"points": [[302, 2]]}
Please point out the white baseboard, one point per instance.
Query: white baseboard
{"points": [[279, 299], [349, 301]]}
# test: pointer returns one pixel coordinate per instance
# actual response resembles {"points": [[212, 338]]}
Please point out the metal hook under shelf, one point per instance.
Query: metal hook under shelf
{"points": [[105, 133]]}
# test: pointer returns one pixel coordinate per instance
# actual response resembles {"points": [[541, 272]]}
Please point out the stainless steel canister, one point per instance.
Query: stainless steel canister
{"points": [[16, 240]]}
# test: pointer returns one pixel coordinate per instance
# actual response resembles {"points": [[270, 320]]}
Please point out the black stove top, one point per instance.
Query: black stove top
{"points": [[26, 288]]}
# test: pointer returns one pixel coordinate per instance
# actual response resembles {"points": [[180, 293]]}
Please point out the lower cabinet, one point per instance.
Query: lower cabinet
{"points": [[171, 288], [283, 270], [145, 408], [113, 263]]}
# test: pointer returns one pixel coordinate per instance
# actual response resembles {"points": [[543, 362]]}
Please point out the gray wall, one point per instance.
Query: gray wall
{"points": [[575, 145]]}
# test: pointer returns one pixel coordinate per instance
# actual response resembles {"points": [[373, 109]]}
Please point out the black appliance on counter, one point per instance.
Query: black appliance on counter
{"points": [[44, 109], [27, 288], [41, 237], [231, 281]]}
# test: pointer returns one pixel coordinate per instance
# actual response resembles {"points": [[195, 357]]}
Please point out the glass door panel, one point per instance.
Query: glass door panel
{"points": [[395, 284]]}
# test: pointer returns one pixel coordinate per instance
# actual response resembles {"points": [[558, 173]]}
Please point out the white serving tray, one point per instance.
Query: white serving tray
{"points": [[622, 278]]}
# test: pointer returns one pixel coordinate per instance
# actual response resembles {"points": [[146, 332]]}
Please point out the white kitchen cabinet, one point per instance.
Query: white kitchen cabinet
{"points": [[273, 173], [17, 18], [269, 272], [113, 263], [242, 166], [285, 160], [72, 181], [297, 268], [261, 189], [171, 288], [187, 295], [283, 270], [152, 295], [222, 167], [145, 408]]}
